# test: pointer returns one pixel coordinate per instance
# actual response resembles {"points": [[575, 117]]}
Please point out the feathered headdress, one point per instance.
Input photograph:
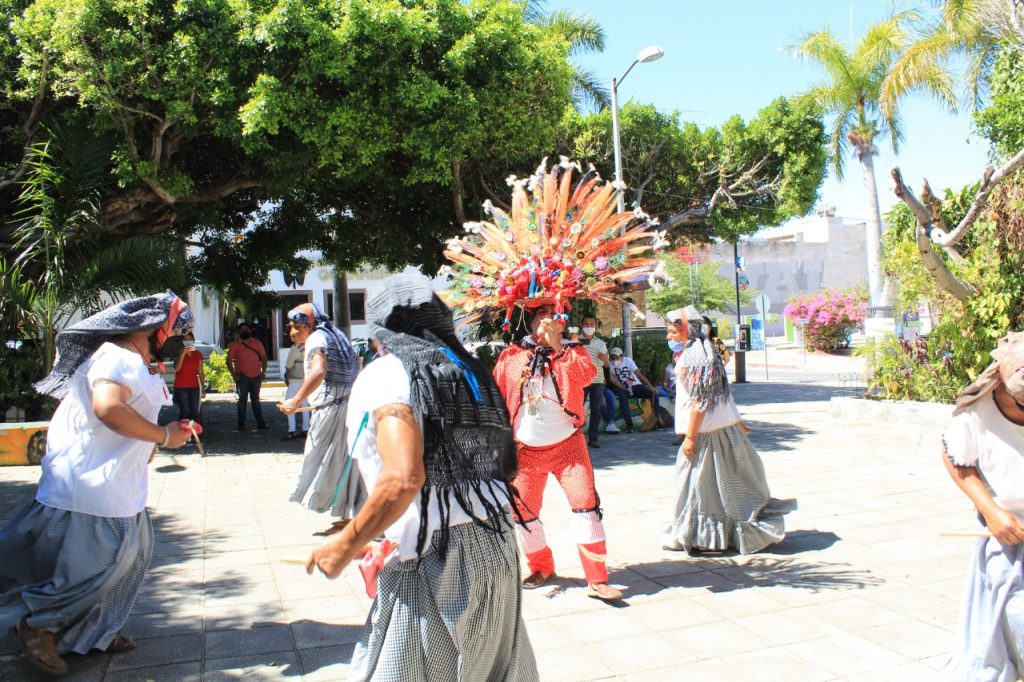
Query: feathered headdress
{"points": [[561, 241]]}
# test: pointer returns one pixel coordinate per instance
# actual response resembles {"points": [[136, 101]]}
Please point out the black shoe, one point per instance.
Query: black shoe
{"points": [[594, 444], [262, 427], [240, 427]]}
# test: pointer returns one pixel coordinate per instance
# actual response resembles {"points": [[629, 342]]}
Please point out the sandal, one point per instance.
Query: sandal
{"points": [[40, 648], [120, 644]]}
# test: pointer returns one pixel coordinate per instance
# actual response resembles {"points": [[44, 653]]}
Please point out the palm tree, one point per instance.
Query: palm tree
{"points": [[962, 31], [852, 94], [584, 35]]}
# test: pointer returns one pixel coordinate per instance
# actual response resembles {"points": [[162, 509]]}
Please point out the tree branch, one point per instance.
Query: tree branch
{"points": [[31, 124], [933, 262], [457, 205], [989, 180]]}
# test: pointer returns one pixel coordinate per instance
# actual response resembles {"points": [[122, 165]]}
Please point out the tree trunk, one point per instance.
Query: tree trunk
{"points": [[342, 313], [873, 225]]}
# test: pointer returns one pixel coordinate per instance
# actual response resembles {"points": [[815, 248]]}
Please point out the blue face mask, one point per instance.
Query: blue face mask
{"points": [[676, 346]]}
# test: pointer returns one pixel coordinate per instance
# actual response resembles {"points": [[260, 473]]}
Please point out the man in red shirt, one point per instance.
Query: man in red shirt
{"points": [[247, 360]]}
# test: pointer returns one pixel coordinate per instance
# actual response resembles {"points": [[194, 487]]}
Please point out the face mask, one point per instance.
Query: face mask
{"points": [[705, 330], [589, 331], [244, 335], [676, 346], [190, 344]]}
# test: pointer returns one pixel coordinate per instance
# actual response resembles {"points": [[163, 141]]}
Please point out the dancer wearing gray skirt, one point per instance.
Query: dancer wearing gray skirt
{"points": [[327, 480], [722, 498], [73, 560], [431, 437], [984, 454]]}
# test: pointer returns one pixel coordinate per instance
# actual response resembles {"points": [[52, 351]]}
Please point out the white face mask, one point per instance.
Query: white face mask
{"points": [[589, 331], [705, 330]]}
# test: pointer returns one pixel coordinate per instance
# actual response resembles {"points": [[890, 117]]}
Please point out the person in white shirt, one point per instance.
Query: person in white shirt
{"points": [[329, 369], [293, 374], [983, 449], [598, 352], [432, 439], [630, 382], [73, 559], [722, 499]]}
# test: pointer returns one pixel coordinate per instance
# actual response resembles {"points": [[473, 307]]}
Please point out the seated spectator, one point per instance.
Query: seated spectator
{"points": [[629, 382]]}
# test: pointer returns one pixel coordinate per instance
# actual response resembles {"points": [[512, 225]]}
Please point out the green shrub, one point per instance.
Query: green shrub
{"points": [[218, 374]]}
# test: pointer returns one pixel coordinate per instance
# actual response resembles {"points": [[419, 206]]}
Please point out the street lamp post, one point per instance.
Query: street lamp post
{"points": [[648, 54]]}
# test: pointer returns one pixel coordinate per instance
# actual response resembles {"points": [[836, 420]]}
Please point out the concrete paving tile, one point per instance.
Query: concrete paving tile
{"points": [[159, 651], [910, 672], [249, 556], [243, 615], [788, 627], [712, 640], [147, 625], [327, 609], [244, 641], [597, 626], [737, 603], [570, 665], [697, 671], [769, 664], [672, 614], [182, 672], [326, 664], [637, 653], [312, 634], [274, 666], [913, 639], [852, 614], [847, 654]]}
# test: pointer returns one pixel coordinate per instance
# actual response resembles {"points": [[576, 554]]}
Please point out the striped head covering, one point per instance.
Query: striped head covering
{"points": [[166, 314]]}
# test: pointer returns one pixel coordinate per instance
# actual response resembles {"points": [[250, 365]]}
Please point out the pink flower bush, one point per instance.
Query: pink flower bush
{"points": [[830, 315]]}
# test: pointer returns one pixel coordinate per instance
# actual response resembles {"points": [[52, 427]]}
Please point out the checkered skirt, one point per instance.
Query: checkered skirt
{"points": [[458, 618], [722, 497], [74, 574]]}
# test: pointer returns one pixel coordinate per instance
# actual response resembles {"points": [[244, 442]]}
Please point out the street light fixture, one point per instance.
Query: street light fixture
{"points": [[648, 54]]}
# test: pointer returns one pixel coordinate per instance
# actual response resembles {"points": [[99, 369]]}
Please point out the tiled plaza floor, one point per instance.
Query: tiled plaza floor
{"points": [[863, 588]]}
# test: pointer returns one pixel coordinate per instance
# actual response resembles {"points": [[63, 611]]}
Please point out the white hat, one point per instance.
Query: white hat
{"points": [[615, 351]]}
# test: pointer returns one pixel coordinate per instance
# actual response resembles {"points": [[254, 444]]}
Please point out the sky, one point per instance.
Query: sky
{"points": [[728, 57]]}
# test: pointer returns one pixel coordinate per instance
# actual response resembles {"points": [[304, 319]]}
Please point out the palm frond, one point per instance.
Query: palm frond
{"points": [[588, 92], [583, 33], [827, 51]]}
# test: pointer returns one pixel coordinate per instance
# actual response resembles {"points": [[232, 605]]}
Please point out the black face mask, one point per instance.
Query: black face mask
{"points": [[245, 335]]}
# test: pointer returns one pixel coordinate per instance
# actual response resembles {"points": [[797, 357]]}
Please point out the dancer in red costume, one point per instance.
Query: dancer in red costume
{"points": [[560, 241], [543, 381]]}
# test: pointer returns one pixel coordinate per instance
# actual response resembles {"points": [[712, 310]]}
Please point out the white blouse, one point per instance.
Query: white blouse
{"points": [[724, 414], [982, 437], [88, 468]]}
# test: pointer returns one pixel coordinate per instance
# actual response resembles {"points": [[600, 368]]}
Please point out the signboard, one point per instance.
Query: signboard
{"points": [[743, 282], [802, 321], [757, 334], [763, 303]]}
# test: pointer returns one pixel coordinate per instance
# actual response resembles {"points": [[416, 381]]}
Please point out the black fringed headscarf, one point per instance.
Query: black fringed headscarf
{"points": [[341, 359], [467, 436], [701, 370], [165, 313]]}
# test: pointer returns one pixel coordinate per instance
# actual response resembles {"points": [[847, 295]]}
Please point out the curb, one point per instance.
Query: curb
{"points": [[891, 410]]}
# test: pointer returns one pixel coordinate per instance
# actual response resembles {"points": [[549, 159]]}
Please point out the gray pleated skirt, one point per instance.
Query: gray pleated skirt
{"points": [[458, 618], [989, 645], [323, 464], [722, 497], [74, 574]]}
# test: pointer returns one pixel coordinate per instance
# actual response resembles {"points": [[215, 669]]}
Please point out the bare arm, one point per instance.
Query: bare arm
{"points": [[643, 379], [314, 377], [110, 403], [402, 477], [692, 431], [1003, 525]]}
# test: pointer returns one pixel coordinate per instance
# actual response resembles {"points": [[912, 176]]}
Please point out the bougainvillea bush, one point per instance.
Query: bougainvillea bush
{"points": [[830, 315]]}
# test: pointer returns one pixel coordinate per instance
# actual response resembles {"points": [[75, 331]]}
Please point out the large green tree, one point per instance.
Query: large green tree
{"points": [[851, 93], [717, 182], [364, 120]]}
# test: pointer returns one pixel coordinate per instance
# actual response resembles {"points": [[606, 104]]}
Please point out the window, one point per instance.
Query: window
{"points": [[356, 306]]}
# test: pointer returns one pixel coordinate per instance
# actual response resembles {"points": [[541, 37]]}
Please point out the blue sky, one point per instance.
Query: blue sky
{"points": [[725, 58]]}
